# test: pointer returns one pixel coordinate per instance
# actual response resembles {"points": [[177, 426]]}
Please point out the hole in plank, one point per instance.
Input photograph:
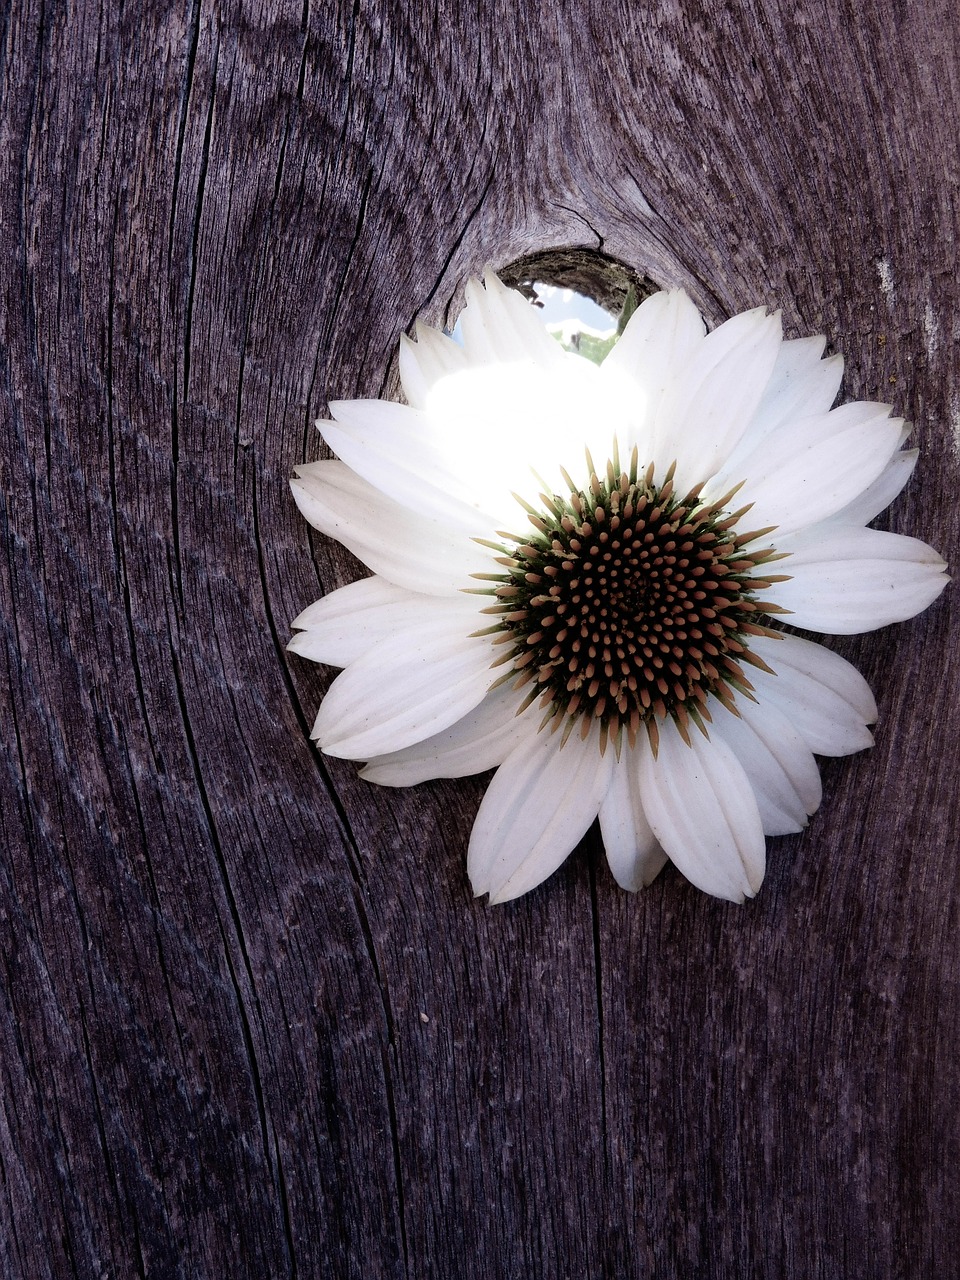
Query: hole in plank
{"points": [[582, 293]]}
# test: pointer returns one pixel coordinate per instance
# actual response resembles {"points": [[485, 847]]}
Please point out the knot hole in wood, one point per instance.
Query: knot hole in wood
{"points": [[595, 275]]}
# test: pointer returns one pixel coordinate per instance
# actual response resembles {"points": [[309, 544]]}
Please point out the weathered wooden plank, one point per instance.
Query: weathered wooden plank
{"points": [[251, 1019]]}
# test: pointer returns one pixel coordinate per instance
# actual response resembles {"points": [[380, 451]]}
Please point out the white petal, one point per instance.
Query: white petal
{"points": [[498, 325], [508, 422], [479, 741], [804, 472], [633, 853], [424, 362], [365, 593], [410, 457], [408, 549], [536, 810], [530, 407], [776, 759], [703, 811], [850, 580], [346, 624], [801, 386], [878, 496], [655, 349], [823, 696], [404, 690], [707, 410]]}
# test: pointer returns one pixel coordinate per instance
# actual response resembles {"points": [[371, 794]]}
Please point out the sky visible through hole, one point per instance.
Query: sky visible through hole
{"points": [[563, 306]]}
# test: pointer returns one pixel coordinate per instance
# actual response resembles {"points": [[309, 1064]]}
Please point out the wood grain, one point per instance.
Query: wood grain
{"points": [[251, 1021]]}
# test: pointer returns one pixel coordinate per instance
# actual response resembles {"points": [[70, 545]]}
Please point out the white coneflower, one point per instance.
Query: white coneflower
{"points": [[574, 571]]}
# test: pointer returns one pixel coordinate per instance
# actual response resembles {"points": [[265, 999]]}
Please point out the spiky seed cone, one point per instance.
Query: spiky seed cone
{"points": [[629, 604]]}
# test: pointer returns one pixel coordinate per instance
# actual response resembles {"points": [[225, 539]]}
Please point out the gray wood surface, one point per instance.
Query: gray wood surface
{"points": [[252, 1022]]}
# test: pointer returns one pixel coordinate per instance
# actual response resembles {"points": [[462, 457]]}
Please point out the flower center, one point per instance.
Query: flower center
{"points": [[630, 604]]}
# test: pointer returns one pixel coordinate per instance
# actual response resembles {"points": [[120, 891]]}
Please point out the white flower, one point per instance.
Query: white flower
{"points": [[573, 569]]}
